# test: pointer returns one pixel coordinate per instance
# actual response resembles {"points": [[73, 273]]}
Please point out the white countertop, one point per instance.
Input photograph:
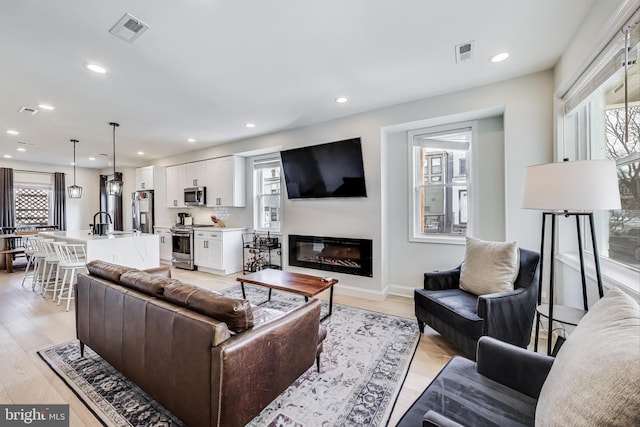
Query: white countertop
{"points": [[86, 236], [120, 247], [212, 228]]}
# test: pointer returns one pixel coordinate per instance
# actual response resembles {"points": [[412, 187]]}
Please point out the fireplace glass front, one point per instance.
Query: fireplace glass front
{"points": [[342, 255]]}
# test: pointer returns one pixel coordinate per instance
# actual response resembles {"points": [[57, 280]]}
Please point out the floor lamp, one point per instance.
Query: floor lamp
{"points": [[569, 189]]}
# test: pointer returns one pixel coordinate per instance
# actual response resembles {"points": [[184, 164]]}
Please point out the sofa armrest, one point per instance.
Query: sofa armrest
{"points": [[441, 280], [252, 368], [512, 366], [435, 419], [508, 316]]}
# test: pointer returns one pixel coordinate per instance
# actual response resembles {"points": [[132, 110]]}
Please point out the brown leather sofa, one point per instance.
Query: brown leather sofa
{"points": [[209, 359]]}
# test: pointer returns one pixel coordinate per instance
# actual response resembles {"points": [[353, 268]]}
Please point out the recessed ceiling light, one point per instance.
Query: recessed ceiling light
{"points": [[250, 125], [342, 99], [96, 68], [140, 153], [13, 132], [21, 149], [92, 158], [46, 107], [191, 140], [7, 156], [499, 57]]}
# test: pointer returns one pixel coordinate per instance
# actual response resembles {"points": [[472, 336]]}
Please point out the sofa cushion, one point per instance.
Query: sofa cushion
{"points": [[455, 307], [236, 313], [107, 270], [596, 376], [489, 267], [145, 282]]}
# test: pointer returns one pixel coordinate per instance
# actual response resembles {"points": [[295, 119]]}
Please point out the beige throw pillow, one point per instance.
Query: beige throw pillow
{"points": [[595, 380], [489, 267]]}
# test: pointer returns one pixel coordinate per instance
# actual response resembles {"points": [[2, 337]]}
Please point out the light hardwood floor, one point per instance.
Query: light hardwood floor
{"points": [[29, 322]]}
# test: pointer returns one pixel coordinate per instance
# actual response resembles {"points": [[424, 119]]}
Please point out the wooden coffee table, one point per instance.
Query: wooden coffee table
{"points": [[301, 284]]}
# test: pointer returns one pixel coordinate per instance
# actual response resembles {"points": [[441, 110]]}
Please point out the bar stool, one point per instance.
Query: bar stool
{"points": [[49, 262], [72, 258], [30, 249], [38, 261]]}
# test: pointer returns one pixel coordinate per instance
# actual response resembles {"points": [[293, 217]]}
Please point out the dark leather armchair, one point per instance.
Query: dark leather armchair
{"points": [[501, 389], [463, 318]]}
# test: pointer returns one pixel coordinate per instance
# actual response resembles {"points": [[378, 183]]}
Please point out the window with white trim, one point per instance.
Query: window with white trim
{"points": [[602, 121], [440, 159], [267, 191]]}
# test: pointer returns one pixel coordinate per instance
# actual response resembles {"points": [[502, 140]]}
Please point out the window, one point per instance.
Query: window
{"points": [[440, 157], [602, 120], [32, 204], [267, 185]]}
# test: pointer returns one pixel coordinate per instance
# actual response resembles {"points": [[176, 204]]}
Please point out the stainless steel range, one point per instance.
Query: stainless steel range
{"points": [[182, 246]]}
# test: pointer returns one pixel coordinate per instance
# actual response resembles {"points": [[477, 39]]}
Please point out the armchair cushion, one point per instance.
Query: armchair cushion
{"points": [[489, 267], [455, 307], [596, 375]]}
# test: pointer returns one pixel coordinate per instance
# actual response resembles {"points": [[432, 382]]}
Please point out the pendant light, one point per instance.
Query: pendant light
{"points": [[114, 186], [74, 191]]}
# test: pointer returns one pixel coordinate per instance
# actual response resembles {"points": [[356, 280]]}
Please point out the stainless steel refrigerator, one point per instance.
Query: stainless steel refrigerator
{"points": [[142, 211]]}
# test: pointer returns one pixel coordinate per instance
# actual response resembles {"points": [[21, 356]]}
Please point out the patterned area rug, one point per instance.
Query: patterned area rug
{"points": [[364, 363]]}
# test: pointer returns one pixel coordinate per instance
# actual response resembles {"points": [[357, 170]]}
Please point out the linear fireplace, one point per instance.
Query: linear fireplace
{"points": [[342, 255]]}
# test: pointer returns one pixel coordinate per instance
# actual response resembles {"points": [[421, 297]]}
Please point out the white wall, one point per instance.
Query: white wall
{"points": [[527, 135], [408, 260], [526, 138], [79, 211]]}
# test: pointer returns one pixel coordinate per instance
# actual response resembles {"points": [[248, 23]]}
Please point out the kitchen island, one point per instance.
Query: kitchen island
{"points": [[119, 247]]}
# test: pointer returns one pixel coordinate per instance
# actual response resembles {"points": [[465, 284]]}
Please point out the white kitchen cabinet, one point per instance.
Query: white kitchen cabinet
{"points": [[166, 247], [225, 179], [176, 177], [218, 250], [195, 174], [145, 178]]}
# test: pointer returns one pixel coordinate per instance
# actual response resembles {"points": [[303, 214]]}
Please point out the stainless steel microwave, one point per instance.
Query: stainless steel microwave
{"points": [[195, 196]]}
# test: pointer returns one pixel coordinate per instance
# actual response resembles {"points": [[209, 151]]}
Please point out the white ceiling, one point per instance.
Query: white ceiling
{"points": [[206, 67]]}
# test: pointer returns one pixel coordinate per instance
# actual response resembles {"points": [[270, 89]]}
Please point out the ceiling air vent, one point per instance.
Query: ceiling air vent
{"points": [[464, 51], [28, 110], [128, 28]]}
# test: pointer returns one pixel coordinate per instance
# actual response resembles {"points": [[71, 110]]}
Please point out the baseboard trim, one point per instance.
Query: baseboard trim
{"points": [[401, 291], [361, 293]]}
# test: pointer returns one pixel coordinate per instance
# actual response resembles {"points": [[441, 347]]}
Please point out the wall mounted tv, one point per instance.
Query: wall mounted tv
{"points": [[327, 170]]}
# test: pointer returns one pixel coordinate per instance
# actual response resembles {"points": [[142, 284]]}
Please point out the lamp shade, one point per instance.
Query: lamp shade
{"points": [[74, 191], [584, 185], [114, 186]]}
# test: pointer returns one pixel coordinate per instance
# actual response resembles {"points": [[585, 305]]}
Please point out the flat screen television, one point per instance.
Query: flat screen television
{"points": [[333, 169]]}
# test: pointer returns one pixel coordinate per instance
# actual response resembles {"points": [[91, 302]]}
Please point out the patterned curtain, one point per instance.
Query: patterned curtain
{"points": [[7, 205], [59, 201]]}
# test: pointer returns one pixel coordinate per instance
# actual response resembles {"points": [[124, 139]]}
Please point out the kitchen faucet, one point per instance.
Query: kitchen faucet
{"points": [[93, 226]]}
